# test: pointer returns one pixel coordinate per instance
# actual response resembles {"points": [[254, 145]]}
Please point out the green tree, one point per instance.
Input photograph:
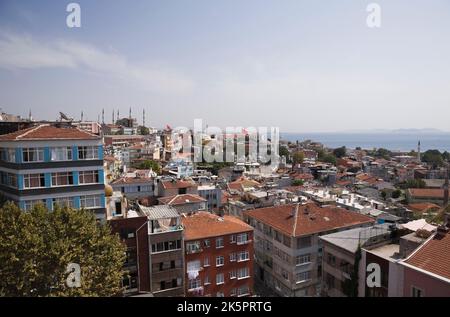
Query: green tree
{"points": [[298, 157], [415, 183], [433, 157], [37, 246], [283, 151], [298, 182], [396, 193], [340, 152], [149, 164], [143, 130]]}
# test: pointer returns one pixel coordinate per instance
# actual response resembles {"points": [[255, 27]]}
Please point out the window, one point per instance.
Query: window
{"points": [[193, 269], [63, 202], [242, 238], [232, 257], [90, 201], [207, 243], [207, 282], [243, 256], [233, 238], [194, 283], [8, 155], [9, 179], [220, 294], [220, 260], [304, 242], [303, 259], [233, 292], [219, 242], [285, 274], [206, 261], [287, 241], [331, 259], [416, 292], [233, 274], [193, 247], [33, 180], [61, 153], [243, 290], [166, 246], [243, 273], [62, 179], [219, 279], [87, 152], [30, 204], [89, 177], [302, 277], [33, 155]]}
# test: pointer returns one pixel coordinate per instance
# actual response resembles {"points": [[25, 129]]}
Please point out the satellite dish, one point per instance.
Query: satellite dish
{"points": [[65, 117]]}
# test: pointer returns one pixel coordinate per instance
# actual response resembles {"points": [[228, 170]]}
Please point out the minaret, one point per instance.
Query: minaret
{"points": [[113, 117], [30, 117], [118, 116], [82, 115], [418, 152], [130, 114], [446, 186], [143, 117], [103, 116]]}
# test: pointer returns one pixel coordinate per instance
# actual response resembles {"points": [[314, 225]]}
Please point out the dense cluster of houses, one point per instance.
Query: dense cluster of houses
{"points": [[306, 227]]}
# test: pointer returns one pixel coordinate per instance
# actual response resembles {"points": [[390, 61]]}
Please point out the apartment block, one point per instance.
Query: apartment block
{"points": [[219, 256], [287, 246], [53, 165]]}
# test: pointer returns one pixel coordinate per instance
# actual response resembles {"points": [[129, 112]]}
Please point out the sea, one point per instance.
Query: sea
{"points": [[391, 141]]}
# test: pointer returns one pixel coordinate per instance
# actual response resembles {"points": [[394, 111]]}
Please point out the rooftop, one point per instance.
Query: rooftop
{"points": [[350, 239], [181, 199], [176, 184], [426, 192], [204, 225], [48, 132], [298, 220], [132, 180], [159, 212], [433, 256]]}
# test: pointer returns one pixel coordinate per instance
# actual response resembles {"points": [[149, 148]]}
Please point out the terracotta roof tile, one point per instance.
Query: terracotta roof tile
{"points": [[181, 199], [433, 256], [204, 224], [426, 192], [318, 219], [48, 132]]}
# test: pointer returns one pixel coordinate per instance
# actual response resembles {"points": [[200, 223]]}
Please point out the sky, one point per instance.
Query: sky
{"points": [[302, 66]]}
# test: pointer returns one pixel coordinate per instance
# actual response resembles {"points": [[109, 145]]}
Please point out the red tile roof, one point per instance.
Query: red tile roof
{"points": [[423, 207], [433, 256], [204, 225], [426, 192], [48, 132], [286, 219], [181, 199]]}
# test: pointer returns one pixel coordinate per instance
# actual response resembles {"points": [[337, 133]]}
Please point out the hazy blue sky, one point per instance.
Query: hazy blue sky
{"points": [[299, 65]]}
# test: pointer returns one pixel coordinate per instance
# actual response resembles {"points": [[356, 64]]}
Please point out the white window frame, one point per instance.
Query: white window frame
{"points": [[240, 238], [86, 198], [221, 245], [243, 256], [61, 153], [222, 280], [94, 173], [55, 176], [243, 273], [38, 152], [29, 177], [220, 258], [90, 152]]}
